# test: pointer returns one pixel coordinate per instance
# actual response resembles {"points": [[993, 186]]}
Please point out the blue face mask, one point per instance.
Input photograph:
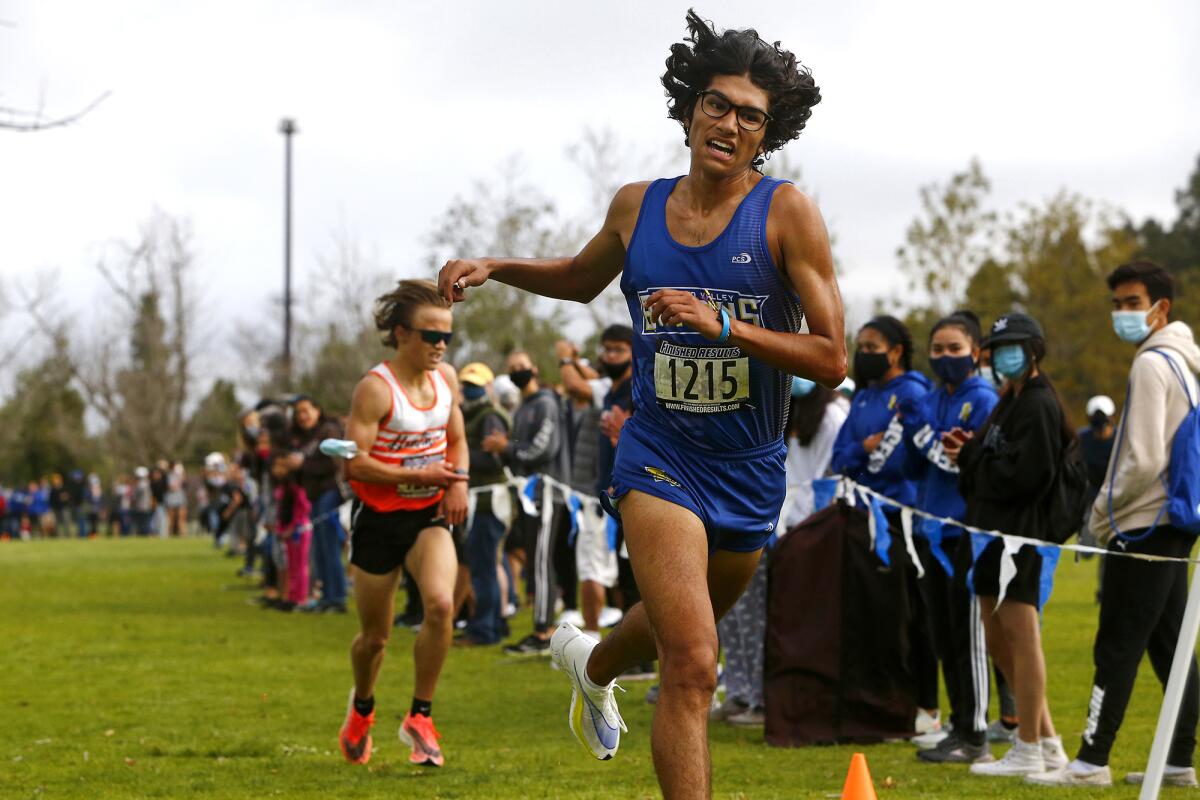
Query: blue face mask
{"points": [[953, 369], [1131, 326], [473, 392], [802, 387], [1009, 361]]}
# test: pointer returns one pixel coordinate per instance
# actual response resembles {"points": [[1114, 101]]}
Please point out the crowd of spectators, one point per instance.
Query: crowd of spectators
{"points": [[980, 444]]}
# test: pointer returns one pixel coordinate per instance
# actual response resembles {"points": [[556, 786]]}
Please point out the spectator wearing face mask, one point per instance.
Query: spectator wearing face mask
{"points": [[870, 450], [535, 447], [1004, 472], [481, 418], [1096, 441], [1141, 602], [961, 404]]}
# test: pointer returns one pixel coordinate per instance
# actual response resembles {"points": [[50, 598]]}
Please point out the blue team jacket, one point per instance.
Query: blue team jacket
{"points": [[873, 410], [925, 420]]}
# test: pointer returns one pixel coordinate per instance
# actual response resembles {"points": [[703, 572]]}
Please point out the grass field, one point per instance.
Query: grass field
{"points": [[137, 668]]}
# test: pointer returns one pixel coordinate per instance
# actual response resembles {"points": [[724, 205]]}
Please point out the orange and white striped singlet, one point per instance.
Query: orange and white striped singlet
{"points": [[410, 436]]}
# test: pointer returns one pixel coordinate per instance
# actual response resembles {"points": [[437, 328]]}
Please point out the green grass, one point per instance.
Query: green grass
{"points": [[137, 669]]}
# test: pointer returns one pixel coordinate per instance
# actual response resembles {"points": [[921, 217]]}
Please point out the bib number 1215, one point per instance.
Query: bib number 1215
{"points": [[701, 384]]}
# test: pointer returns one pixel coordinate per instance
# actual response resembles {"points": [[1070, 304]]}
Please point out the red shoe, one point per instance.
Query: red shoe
{"points": [[417, 732], [355, 737]]}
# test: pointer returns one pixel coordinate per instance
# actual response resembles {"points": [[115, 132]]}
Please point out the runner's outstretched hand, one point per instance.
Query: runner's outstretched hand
{"points": [[458, 274]]}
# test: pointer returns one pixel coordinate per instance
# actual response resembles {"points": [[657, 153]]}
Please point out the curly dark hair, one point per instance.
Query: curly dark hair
{"points": [[788, 84]]}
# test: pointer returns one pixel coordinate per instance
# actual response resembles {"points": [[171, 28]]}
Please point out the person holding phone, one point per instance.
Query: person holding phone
{"points": [[934, 425]]}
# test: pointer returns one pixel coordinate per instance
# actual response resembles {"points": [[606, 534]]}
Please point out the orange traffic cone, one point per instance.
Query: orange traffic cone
{"points": [[858, 780]]}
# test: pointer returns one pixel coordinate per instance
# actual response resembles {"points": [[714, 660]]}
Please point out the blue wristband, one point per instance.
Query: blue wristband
{"points": [[724, 337]]}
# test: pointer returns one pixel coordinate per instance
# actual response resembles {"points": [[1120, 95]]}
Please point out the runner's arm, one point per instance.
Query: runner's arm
{"points": [[454, 502], [371, 402], [818, 355], [578, 278]]}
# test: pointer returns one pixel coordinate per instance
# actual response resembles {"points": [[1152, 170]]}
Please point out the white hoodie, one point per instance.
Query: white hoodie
{"points": [[1155, 407]]}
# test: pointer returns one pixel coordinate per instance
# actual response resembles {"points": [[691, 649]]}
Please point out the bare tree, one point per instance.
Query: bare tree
{"points": [[136, 371], [25, 120]]}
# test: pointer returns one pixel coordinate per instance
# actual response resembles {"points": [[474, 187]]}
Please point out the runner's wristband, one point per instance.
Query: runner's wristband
{"points": [[724, 337]]}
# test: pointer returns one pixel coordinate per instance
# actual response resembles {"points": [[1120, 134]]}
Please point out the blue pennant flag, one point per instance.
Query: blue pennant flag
{"points": [[883, 536], [935, 533], [1049, 556], [824, 491], [979, 541]]}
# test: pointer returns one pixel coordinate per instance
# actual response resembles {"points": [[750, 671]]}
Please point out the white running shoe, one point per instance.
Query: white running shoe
{"points": [[1053, 753], [1172, 776], [926, 722], [928, 741], [593, 718], [1065, 776], [1023, 758]]}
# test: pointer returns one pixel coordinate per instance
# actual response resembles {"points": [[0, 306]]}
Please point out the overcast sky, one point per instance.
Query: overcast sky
{"points": [[401, 106]]}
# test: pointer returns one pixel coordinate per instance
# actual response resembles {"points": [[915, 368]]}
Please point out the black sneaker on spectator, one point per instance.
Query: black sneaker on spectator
{"points": [[531, 645], [408, 621], [954, 750]]}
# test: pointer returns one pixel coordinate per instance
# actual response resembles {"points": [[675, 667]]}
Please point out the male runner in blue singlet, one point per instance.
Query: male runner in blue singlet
{"points": [[720, 266]]}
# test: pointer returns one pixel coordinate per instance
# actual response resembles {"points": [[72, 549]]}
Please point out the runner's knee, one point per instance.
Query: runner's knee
{"points": [[690, 667], [373, 643], [438, 607]]}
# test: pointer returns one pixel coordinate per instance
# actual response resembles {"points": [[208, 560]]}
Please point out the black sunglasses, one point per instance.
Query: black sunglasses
{"points": [[433, 337], [717, 105]]}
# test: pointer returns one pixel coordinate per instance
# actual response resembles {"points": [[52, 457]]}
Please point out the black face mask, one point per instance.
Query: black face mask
{"points": [[614, 371], [521, 377], [869, 367], [1098, 419]]}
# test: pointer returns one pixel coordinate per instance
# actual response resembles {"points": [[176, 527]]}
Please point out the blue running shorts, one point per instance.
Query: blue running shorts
{"points": [[737, 494]]}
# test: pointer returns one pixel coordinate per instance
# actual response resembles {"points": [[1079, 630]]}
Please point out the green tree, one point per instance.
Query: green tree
{"points": [[42, 426], [949, 239], [1177, 247], [1060, 272], [213, 425]]}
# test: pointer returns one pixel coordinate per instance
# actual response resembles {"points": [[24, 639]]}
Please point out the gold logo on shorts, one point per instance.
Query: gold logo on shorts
{"points": [[659, 475]]}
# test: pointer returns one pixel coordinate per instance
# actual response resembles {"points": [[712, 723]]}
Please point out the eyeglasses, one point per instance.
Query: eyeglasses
{"points": [[717, 105], [433, 337]]}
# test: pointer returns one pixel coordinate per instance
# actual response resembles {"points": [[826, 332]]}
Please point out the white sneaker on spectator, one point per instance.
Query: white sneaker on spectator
{"points": [[610, 616], [750, 718], [999, 733], [1023, 758], [928, 741], [1053, 753], [1075, 773], [1172, 776], [926, 722], [721, 711]]}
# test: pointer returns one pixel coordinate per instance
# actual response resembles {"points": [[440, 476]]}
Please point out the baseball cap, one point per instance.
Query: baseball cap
{"points": [[1013, 327], [1101, 402], [477, 373]]}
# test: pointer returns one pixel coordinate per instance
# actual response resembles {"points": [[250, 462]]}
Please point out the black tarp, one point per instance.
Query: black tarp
{"points": [[836, 666]]}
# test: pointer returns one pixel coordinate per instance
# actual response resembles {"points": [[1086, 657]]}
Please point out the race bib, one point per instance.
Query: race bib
{"points": [[704, 380], [416, 462]]}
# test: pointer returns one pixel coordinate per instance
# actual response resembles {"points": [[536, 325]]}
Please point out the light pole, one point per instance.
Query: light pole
{"points": [[287, 127]]}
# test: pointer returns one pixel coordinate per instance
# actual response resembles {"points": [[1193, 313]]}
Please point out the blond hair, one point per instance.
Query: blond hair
{"points": [[397, 306]]}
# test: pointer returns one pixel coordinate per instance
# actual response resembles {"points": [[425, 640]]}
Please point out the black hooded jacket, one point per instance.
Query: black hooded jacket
{"points": [[1007, 468]]}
